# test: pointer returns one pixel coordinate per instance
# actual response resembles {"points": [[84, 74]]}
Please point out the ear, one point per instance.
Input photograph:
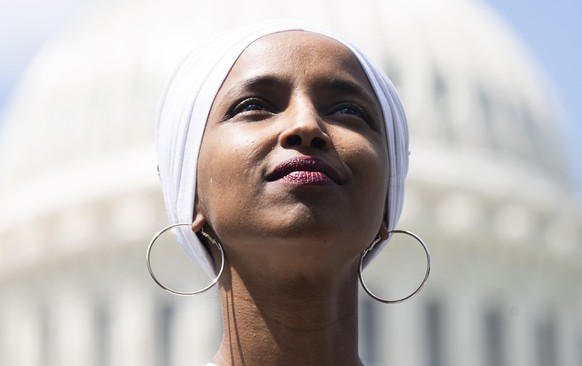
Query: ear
{"points": [[383, 232], [198, 222]]}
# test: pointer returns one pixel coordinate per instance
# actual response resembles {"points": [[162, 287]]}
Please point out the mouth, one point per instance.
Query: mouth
{"points": [[305, 170]]}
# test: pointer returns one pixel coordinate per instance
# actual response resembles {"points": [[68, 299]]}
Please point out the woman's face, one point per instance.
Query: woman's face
{"points": [[294, 148]]}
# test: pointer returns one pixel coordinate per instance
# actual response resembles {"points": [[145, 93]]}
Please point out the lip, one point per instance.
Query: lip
{"points": [[305, 170]]}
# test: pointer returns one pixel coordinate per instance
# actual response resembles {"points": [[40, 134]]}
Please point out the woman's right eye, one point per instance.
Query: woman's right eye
{"points": [[251, 105]]}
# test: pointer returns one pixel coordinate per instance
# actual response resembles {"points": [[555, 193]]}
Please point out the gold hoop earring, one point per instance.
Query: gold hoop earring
{"points": [[183, 293], [376, 241]]}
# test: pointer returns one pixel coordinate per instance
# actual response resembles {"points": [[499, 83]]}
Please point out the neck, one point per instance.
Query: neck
{"points": [[289, 321]]}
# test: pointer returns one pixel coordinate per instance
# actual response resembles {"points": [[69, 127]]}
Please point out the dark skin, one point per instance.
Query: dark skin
{"points": [[289, 289]]}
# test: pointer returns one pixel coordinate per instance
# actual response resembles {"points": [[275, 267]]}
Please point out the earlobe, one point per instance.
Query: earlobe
{"points": [[198, 222], [383, 232]]}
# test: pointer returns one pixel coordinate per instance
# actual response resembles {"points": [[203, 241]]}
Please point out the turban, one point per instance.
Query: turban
{"points": [[186, 104]]}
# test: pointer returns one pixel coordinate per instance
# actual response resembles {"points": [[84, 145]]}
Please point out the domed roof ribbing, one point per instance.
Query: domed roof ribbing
{"points": [[91, 94]]}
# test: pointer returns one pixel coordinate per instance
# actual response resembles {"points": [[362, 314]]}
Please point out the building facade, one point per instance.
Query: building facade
{"points": [[488, 190]]}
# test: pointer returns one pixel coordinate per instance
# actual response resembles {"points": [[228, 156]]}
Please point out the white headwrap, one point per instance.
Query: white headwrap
{"points": [[186, 105]]}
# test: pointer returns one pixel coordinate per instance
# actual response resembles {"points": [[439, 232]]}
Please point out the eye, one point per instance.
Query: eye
{"points": [[350, 109], [250, 106]]}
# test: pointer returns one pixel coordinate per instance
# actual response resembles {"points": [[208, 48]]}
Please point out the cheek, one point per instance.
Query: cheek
{"points": [[367, 158], [215, 172], [367, 155], [374, 174], [227, 169]]}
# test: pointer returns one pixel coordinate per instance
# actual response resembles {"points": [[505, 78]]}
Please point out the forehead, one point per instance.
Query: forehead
{"points": [[300, 56], [293, 45], [299, 51]]}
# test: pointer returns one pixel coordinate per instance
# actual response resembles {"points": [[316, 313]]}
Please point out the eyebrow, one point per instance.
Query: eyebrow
{"points": [[354, 89], [343, 85], [253, 83], [350, 87], [328, 82]]}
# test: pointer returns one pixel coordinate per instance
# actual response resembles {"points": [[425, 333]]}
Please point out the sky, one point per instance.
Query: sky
{"points": [[551, 29], [24, 26]]}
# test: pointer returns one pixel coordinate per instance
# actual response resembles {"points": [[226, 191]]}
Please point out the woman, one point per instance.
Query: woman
{"points": [[296, 175]]}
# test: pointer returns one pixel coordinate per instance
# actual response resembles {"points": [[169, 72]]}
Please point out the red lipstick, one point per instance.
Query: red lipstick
{"points": [[305, 170]]}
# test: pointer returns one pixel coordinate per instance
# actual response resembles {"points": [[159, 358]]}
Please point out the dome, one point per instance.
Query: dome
{"points": [[488, 185], [458, 93]]}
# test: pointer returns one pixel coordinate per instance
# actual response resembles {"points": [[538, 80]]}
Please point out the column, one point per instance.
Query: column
{"points": [[22, 333], [404, 333], [464, 330], [520, 331], [72, 315], [132, 328], [197, 330]]}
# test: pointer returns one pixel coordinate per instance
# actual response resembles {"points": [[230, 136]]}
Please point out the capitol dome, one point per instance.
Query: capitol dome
{"points": [[488, 189]]}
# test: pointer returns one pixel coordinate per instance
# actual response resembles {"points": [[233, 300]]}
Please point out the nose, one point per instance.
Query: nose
{"points": [[304, 129]]}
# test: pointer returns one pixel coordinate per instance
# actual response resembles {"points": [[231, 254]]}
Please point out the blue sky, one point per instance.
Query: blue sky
{"points": [[24, 26], [551, 29]]}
